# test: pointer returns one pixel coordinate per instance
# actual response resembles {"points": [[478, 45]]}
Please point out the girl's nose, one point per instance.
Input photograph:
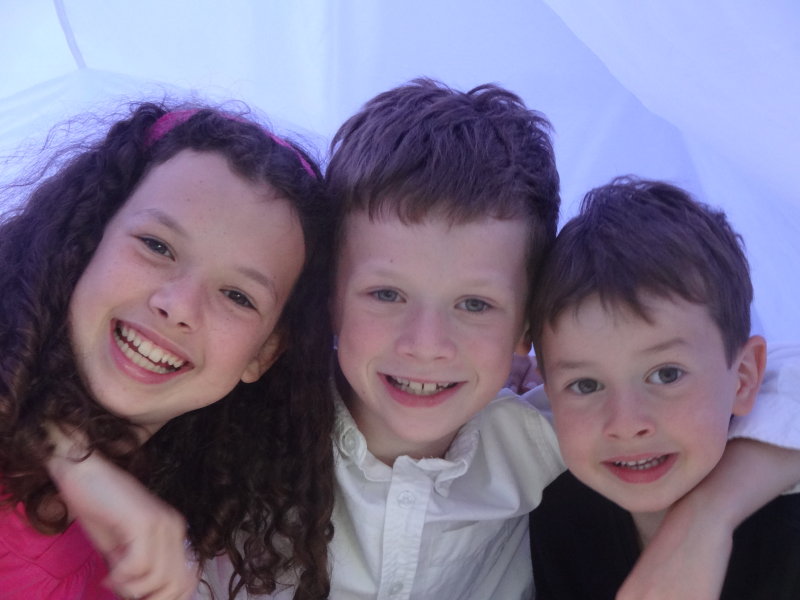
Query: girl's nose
{"points": [[179, 301]]}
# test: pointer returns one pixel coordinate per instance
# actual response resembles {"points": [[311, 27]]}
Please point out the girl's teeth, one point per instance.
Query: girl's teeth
{"points": [[145, 353]]}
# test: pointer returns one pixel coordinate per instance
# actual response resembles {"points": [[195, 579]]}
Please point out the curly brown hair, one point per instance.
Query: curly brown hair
{"points": [[253, 472]]}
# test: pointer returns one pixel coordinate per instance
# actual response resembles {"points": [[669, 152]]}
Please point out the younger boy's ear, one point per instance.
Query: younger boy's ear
{"points": [[265, 357], [750, 368]]}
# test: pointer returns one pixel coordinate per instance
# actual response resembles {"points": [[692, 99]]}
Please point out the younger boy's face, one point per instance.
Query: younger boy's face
{"points": [[641, 409], [428, 317]]}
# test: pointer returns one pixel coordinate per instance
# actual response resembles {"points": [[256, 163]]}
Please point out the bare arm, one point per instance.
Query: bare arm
{"points": [[140, 536], [688, 557]]}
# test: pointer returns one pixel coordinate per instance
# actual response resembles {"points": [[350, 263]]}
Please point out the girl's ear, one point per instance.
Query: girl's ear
{"points": [[265, 357], [750, 368]]}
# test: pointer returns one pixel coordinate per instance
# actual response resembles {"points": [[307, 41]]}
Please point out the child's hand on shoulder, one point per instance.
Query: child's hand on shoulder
{"points": [[140, 535]]}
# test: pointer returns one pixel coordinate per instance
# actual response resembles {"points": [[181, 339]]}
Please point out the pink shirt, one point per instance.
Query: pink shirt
{"points": [[35, 566]]}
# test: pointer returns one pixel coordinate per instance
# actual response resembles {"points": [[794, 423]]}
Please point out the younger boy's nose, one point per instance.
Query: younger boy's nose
{"points": [[627, 415], [426, 335]]}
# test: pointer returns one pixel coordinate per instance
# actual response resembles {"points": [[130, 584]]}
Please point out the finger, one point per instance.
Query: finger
{"points": [[167, 580], [176, 588]]}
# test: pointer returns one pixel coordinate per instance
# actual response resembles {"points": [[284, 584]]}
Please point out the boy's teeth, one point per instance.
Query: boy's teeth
{"points": [[641, 465], [418, 387], [144, 352]]}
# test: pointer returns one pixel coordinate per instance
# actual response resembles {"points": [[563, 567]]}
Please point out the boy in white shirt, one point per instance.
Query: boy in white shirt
{"points": [[434, 253]]}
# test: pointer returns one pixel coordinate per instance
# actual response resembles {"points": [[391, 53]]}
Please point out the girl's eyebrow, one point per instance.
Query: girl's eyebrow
{"points": [[166, 220], [259, 278], [253, 274]]}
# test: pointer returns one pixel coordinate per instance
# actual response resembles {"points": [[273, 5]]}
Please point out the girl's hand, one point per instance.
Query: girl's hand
{"points": [[141, 536]]}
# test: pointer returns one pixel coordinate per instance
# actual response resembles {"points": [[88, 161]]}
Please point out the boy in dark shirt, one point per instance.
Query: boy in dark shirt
{"points": [[643, 340]]}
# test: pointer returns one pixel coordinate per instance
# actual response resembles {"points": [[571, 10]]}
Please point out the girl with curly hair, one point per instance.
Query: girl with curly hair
{"points": [[147, 285]]}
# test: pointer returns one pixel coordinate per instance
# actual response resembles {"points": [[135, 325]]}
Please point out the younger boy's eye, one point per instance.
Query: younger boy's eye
{"points": [[386, 295], [474, 305], [665, 375], [239, 298], [585, 386], [156, 246]]}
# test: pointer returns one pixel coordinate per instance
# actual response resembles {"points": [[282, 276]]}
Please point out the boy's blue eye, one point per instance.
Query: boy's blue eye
{"points": [[386, 295], [239, 298], [475, 305], [585, 386], [156, 246], [665, 375]]}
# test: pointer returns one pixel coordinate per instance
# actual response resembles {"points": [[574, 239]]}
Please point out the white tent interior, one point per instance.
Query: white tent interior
{"points": [[704, 94]]}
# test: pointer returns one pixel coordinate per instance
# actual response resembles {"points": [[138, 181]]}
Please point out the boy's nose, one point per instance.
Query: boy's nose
{"points": [[179, 301], [627, 415], [426, 335]]}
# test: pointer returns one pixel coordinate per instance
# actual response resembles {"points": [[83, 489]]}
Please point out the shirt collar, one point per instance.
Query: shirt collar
{"points": [[352, 446]]}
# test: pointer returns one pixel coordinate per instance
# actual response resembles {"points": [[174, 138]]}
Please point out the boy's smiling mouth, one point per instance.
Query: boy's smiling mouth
{"points": [[642, 469], [144, 353], [418, 388], [641, 465]]}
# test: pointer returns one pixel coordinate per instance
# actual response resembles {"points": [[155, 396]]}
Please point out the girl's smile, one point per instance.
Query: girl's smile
{"points": [[143, 358]]}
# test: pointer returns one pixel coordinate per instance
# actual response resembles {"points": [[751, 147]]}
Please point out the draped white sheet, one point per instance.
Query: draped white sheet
{"points": [[704, 94]]}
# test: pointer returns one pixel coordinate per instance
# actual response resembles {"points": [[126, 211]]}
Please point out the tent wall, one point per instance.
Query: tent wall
{"points": [[702, 94]]}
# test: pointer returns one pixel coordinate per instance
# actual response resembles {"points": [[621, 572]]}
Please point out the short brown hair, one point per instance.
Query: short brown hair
{"points": [[635, 237], [424, 149]]}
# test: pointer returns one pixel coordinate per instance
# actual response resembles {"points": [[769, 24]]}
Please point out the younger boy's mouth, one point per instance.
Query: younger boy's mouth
{"points": [[641, 465], [419, 388], [144, 353]]}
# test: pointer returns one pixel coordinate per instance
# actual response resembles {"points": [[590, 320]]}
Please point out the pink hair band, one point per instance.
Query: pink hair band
{"points": [[168, 121]]}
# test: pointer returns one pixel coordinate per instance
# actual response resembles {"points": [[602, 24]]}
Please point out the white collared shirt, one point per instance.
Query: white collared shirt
{"points": [[453, 527]]}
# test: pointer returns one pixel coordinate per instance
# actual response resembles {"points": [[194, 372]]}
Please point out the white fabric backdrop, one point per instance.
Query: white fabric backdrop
{"points": [[704, 94]]}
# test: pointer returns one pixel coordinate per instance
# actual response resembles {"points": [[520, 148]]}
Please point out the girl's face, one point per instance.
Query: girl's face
{"points": [[181, 298]]}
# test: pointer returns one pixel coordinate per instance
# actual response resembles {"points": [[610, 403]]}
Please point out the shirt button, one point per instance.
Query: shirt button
{"points": [[395, 588], [349, 442], [405, 500]]}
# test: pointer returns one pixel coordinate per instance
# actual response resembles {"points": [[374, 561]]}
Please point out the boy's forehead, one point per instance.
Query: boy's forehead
{"points": [[445, 222], [664, 313], [492, 246], [360, 227]]}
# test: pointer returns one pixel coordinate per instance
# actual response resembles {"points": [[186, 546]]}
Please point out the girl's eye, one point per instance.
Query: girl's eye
{"points": [[665, 375], [585, 386], [474, 305], [386, 295], [239, 298], [156, 246]]}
